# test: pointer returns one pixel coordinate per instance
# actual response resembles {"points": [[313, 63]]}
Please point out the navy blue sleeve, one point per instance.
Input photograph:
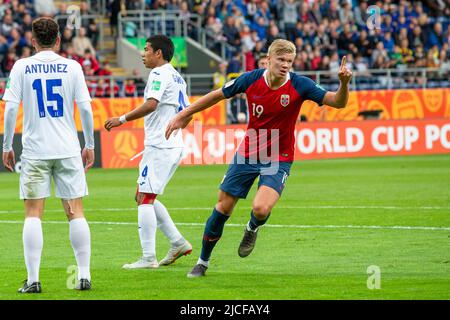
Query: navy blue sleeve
{"points": [[308, 89], [241, 83]]}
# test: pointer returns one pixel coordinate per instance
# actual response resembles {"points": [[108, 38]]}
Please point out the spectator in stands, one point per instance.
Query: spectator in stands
{"points": [[26, 52], [407, 53], [273, 34], [289, 16], [81, 43], [115, 93], [45, 8], [139, 82], [361, 14], [263, 62], [26, 23], [346, 14], [89, 23], [416, 37], [220, 76], [105, 69], [436, 37], [115, 7], [69, 53], [100, 89], [9, 61], [16, 41], [235, 64], [7, 25], [130, 88], [388, 42], [62, 20], [231, 33], [88, 56], [87, 68], [67, 38], [260, 28]]}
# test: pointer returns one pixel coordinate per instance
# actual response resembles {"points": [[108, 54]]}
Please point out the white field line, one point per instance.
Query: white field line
{"points": [[247, 207], [266, 226]]}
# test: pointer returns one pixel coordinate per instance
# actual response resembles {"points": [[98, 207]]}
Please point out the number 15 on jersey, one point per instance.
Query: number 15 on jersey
{"points": [[50, 84]]}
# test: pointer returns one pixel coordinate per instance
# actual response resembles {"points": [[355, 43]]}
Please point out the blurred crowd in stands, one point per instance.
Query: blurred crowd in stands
{"points": [[407, 34]]}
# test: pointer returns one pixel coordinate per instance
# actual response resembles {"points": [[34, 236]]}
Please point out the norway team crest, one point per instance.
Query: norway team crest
{"points": [[284, 100]]}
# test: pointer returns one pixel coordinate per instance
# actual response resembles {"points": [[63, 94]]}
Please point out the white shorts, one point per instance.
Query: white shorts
{"points": [[156, 168], [68, 174]]}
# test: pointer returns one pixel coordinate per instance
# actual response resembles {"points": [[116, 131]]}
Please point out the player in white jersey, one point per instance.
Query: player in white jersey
{"points": [[48, 85], [165, 95]]}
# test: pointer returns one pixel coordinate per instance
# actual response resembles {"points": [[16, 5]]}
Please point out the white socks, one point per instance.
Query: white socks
{"points": [[32, 247], [80, 237], [202, 262], [33, 241], [166, 224], [147, 230]]}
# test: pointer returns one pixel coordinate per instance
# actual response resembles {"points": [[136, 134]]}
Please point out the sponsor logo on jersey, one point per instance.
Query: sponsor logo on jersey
{"points": [[320, 87], [8, 83], [284, 100], [156, 85], [229, 83]]}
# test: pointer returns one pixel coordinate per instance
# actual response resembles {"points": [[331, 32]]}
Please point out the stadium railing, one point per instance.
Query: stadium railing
{"points": [[372, 79]]}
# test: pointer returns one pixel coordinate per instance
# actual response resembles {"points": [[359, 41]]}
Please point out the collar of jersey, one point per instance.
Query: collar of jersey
{"points": [[47, 54], [288, 77]]}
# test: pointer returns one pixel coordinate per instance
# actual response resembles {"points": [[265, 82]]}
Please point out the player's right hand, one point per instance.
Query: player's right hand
{"points": [[180, 121], [88, 157], [9, 160], [112, 123]]}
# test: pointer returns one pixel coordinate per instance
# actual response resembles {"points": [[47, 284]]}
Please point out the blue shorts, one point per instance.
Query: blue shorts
{"points": [[242, 173]]}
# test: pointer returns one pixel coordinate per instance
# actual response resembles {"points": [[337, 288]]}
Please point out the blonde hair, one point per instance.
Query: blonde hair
{"points": [[281, 46]]}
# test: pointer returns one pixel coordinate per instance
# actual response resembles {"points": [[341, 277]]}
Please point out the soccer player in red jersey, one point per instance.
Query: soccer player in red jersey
{"points": [[274, 97]]}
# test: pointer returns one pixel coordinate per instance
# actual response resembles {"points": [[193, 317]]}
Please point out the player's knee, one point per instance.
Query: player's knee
{"points": [[224, 207], [261, 210], [145, 198]]}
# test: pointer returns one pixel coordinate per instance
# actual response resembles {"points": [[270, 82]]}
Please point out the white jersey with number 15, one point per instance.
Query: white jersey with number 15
{"points": [[48, 85]]}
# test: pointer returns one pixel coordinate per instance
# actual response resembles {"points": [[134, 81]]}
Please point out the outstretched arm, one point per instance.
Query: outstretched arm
{"points": [[339, 98], [148, 107], [11, 109], [182, 119]]}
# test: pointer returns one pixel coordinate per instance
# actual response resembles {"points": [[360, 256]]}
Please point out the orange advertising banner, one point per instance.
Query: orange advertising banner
{"points": [[104, 108], [217, 145], [394, 104]]}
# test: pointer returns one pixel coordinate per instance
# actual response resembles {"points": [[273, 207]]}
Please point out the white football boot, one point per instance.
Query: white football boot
{"points": [[142, 263], [175, 253]]}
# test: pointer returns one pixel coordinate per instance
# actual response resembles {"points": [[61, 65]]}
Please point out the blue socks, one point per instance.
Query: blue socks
{"points": [[254, 223], [213, 231]]}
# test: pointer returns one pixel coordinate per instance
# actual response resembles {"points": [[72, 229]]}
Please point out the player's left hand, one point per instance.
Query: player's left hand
{"points": [[112, 123], [345, 74], [9, 160], [88, 157]]}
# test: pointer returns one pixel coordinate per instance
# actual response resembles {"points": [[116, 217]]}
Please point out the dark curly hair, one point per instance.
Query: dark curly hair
{"points": [[45, 31]]}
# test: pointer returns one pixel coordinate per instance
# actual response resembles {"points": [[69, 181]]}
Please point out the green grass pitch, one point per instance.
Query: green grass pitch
{"points": [[335, 219]]}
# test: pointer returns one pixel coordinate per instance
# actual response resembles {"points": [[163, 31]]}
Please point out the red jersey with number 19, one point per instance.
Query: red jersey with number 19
{"points": [[272, 113]]}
